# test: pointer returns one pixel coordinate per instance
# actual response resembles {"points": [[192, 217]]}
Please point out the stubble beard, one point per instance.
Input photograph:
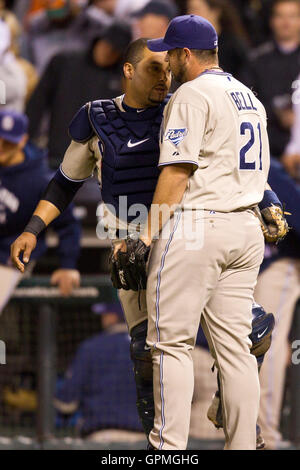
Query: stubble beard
{"points": [[180, 75], [155, 101]]}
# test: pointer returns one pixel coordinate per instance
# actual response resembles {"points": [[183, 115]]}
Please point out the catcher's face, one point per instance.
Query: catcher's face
{"points": [[150, 79]]}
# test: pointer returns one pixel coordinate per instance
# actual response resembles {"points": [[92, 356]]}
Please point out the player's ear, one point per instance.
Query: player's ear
{"points": [[187, 53], [128, 70]]}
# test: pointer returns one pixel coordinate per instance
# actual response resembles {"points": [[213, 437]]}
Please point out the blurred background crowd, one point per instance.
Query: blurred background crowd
{"points": [[55, 55]]}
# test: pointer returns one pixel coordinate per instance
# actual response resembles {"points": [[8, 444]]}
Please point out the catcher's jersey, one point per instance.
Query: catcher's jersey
{"points": [[217, 124]]}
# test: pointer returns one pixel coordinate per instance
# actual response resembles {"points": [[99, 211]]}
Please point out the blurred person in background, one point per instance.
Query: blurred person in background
{"points": [[24, 175], [291, 155], [278, 289], [52, 30], [272, 69], [11, 73], [27, 10], [120, 9], [72, 79], [15, 33], [255, 16], [100, 385], [101, 11], [33, 8], [153, 19], [233, 48]]}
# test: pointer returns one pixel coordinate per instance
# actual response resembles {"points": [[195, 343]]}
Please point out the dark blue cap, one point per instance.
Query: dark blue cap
{"points": [[13, 125], [157, 7], [103, 308], [190, 31]]}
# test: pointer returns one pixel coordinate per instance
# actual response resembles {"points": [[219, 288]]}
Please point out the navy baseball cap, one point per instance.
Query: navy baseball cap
{"points": [[190, 31], [103, 308], [157, 7], [13, 125]]}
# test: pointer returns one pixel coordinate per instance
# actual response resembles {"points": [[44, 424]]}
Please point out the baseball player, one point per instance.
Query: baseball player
{"points": [[23, 165], [215, 160], [120, 138]]}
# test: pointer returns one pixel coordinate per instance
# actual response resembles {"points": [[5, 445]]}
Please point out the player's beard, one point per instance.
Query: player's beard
{"points": [[155, 100], [180, 74]]}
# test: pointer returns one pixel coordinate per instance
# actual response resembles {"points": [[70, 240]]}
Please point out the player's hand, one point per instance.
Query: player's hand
{"points": [[128, 266], [25, 244], [66, 280], [119, 246], [122, 246], [145, 239], [292, 165]]}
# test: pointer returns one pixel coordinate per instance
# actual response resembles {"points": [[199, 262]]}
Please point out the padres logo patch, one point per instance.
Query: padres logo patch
{"points": [[7, 123], [176, 135]]}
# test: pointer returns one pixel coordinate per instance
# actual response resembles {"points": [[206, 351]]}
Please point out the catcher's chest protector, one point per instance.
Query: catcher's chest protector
{"points": [[129, 143]]}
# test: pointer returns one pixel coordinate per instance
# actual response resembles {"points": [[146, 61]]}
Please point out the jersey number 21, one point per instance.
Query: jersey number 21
{"points": [[248, 130]]}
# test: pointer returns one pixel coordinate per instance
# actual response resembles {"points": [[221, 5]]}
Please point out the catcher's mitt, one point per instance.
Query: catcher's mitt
{"points": [[273, 223], [128, 269]]}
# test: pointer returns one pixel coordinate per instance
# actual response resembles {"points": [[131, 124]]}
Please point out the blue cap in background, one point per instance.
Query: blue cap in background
{"points": [[13, 125], [103, 308], [157, 7], [190, 31]]}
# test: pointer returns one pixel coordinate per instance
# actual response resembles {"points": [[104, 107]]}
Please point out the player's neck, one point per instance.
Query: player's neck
{"points": [[131, 101], [198, 69]]}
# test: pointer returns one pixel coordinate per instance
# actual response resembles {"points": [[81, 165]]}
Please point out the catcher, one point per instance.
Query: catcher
{"points": [[120, 138]]}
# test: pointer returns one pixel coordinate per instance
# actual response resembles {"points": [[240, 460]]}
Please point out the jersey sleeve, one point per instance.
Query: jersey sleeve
{"points": [[80, 160], [182, 132]]}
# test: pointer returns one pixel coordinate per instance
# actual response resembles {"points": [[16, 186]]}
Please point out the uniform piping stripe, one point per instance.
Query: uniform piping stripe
{"points": [[215, 72], [70, 179], [157, 328], [178, 161], [162, 402]]}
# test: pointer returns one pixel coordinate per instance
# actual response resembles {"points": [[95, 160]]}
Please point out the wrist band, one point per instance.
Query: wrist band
{"points": [[270, 198], [35, 225]]}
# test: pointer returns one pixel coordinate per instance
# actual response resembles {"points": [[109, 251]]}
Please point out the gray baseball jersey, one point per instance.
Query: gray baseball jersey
{"points": [[217, 124]]}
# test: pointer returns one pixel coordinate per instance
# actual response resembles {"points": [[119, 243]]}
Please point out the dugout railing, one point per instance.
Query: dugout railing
{"points": [[36, 291]]}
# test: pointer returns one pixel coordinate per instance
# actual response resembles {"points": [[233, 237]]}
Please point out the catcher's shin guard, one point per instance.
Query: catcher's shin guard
{"points": [[215, 415], [143, 375], [261, 336]]}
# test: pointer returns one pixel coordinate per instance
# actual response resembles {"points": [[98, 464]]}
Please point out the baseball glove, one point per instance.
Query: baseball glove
{"points": [[273, 223], [128, 269]]}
